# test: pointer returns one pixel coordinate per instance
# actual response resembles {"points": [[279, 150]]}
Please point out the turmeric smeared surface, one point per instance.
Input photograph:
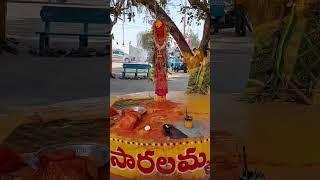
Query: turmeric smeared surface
{"points": [[158, 114]]}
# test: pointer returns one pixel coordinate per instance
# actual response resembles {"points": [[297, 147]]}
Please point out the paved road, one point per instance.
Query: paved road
{"points": [[177, 82], [27, 80], [231, 57]]}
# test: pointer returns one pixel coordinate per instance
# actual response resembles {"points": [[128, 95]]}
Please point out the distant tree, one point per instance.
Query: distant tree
{"points": [[195, 42], [145, 40], [195, 11]]}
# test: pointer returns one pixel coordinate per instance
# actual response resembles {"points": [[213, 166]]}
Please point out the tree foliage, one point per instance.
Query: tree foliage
{"points": [[194, 13], [286, 57], [195, 42], [196, 10], [145, 40]]}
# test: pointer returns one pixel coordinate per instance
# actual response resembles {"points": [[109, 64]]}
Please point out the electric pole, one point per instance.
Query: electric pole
{"points": [[184, 20], [124, 16]]}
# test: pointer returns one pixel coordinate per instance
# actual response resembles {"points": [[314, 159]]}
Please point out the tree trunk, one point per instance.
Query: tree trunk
{"points": [[206, 35], [155, 8], [3, 16]]}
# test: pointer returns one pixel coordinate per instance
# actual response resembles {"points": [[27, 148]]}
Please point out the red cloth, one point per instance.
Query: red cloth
{"points": [[10, 161], [160, 35], [113, 111], [161, 88]]}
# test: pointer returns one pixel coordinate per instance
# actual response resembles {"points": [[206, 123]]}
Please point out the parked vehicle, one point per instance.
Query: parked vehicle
{"points": [[228, 20], [121, 55], [177, 64], [231, 18]]}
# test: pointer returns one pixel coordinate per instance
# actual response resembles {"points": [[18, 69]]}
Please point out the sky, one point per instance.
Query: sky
{"points": [[132, 29]]}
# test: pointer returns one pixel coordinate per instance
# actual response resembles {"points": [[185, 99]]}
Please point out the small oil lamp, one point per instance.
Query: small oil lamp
{"points": [[187, 120]]}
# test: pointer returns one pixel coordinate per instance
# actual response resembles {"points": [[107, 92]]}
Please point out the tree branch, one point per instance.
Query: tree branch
{"points": [[205, 3], [115, 20], [201, 5], [117, 10], [205, 35], [155, 8]]}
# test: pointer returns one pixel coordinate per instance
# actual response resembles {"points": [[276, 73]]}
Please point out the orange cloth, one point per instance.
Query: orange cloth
{"points": [[161, 79], [160, 35]]}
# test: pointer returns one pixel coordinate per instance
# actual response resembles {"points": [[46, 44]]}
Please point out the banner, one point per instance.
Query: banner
{"points": [[188, 158]]}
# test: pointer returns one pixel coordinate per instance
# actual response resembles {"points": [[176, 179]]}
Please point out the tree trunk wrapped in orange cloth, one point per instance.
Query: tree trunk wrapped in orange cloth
{"points": [[160, 35]]}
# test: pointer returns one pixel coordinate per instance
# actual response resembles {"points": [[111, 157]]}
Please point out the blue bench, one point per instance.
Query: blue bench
{"points": [[137, 67], [85, 16]]}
